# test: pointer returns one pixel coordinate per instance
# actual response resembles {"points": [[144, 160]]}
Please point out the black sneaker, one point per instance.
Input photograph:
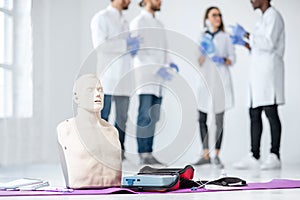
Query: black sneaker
{"points": [[153, 160], [149, 160], [202, 161], [218, 162]]}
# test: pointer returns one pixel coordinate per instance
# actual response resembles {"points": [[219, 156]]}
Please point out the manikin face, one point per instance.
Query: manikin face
{"points": [[89, 94], [215, 18]]}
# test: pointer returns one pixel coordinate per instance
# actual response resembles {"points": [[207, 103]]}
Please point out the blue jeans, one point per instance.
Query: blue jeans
{"points": [[149, 112], [122, 104]]}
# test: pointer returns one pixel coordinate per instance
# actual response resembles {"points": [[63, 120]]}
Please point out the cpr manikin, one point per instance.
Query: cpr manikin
{"points": [[89, 146]]}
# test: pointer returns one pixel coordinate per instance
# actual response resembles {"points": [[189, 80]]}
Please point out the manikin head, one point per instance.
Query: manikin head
{"points": [[121, 4], [260, 4], [213, 19], [88, 93], [151, 5]]}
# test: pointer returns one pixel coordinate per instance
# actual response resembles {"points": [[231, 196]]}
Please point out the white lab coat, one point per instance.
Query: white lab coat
{"points": [[105, 25], [149, 57], [218, 81], [267, 66]]}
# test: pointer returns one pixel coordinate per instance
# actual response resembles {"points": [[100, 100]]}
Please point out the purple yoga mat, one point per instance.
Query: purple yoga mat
{"points": [[274, 184], [75, 192]]}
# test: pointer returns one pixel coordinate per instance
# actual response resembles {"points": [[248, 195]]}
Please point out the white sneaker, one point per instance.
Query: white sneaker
{"points": [[272, 162], [248, 162]]}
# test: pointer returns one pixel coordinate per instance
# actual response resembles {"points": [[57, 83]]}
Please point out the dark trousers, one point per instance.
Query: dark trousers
{"points": [[204, 130], [149, 113], [257, 127], [122, 105]]}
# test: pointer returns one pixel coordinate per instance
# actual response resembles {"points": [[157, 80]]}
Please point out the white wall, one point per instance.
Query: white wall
{"points": [[56, 59], [62, 42], [61, 46]]}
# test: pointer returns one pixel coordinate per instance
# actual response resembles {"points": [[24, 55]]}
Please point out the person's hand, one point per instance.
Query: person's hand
{"points": [[236, 40], [201, 60], [174, 66], [219, 60], [227, 62], [238, 30], [164, 74], [207, 45], [133, 44]]}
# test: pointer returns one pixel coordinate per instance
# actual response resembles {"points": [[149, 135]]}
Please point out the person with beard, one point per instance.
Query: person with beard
{"points": [[105, 24], [150, 96], [267, 45]]}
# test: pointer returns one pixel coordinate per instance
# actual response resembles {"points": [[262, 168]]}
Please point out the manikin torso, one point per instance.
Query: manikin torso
{"points": [[90, 151]]}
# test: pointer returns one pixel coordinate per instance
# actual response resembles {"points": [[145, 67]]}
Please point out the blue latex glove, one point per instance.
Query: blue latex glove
{"points": [[207, 45], [238, 30], [133, 44], [219, 60], [164, 74], [174, 66], [237, 40]]}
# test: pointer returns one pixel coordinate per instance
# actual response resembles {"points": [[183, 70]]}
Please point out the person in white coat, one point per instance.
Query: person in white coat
{"points": [[223, 57], [267, 45], [106, 24], [150, 96]]}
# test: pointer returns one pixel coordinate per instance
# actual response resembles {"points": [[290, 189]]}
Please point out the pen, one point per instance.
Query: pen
{"points": [[58, 190]]}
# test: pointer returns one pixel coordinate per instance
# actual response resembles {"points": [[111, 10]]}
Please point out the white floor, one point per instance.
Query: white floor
{"points": [[54, 175]]}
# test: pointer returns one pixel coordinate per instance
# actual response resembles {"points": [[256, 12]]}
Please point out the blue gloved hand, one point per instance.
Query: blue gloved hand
{"points": [[207, 45], [133, 44], [238, 30], [219, 60], [164, 74], [174, 66], [237, 40]]}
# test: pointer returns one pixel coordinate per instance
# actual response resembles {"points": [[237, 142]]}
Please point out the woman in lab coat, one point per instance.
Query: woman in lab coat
{"points": [[266, 88], [223, 57]]}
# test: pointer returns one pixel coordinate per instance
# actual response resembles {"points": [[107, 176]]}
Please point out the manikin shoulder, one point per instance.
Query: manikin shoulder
{"points": [[64, 128], [104, 124]]}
